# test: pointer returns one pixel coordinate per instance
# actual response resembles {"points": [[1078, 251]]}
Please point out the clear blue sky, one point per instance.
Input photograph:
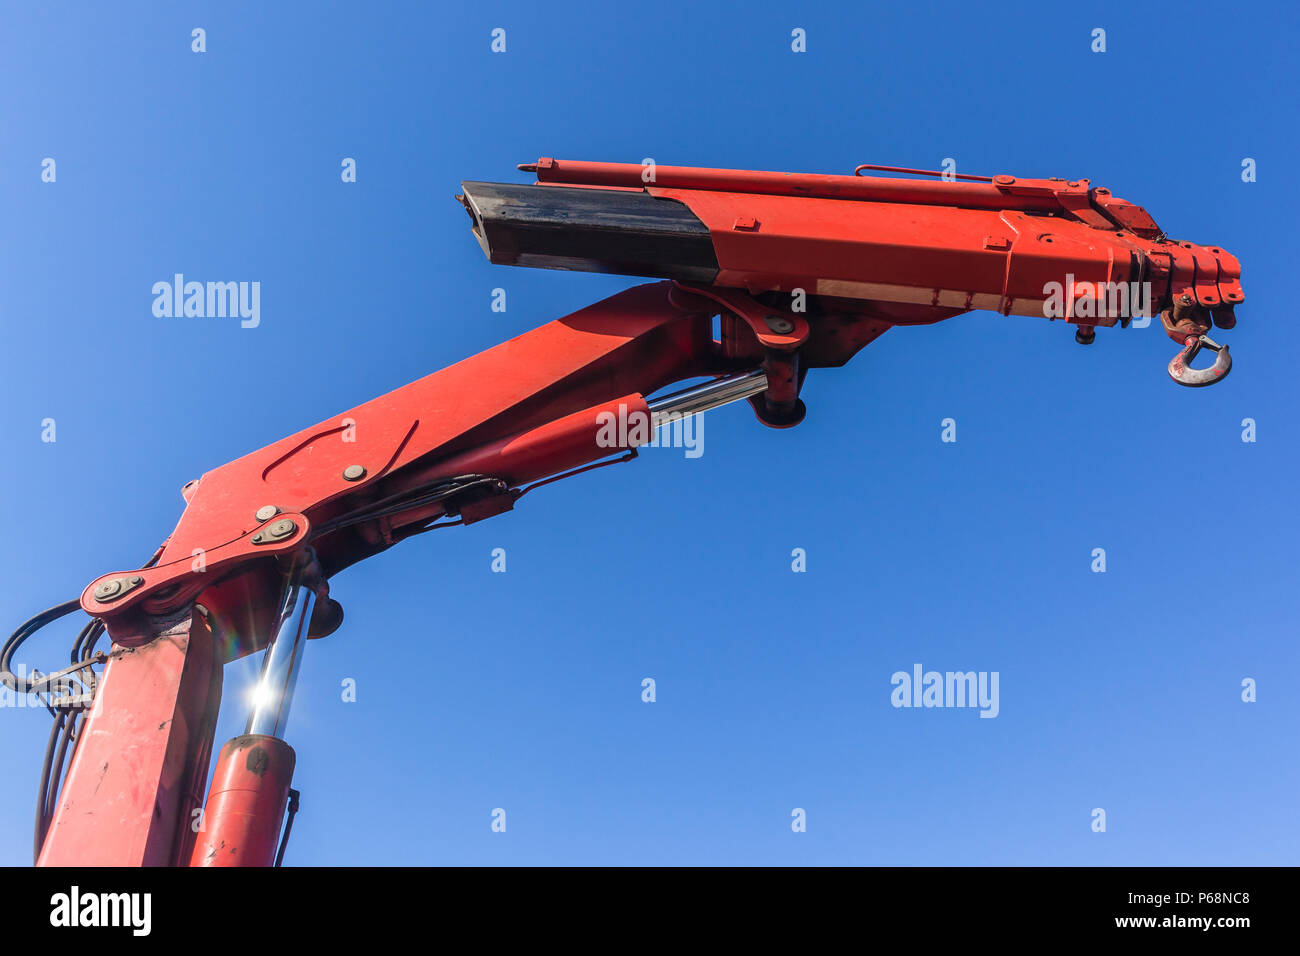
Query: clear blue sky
{"points": [[523, 690]]}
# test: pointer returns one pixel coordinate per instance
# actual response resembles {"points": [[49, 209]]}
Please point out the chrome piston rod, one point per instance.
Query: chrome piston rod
{"points": [[274, 692], [701, 398]]}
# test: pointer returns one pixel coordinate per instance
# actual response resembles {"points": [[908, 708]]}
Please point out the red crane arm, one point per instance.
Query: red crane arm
{"points": [[993, 244], [803, 270]]}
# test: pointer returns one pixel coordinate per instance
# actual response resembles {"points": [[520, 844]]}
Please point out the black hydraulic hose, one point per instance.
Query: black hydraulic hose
{"points": [[68, 720], [84, 639], [294, 795], [65, 723], [22, 685], [71, 729], [42, 809], [67, 727], [83, 652]]}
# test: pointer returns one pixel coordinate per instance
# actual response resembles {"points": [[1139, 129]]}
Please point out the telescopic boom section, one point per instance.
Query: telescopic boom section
{"points": [[1045, 247], [803, 272]]}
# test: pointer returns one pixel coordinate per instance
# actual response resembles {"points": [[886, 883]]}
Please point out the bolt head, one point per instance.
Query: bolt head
{"points": [[108, 589], [354, 473], [267, 512]]}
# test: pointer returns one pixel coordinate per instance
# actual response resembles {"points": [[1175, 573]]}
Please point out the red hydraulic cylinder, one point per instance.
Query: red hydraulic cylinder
{"points": [[250, 787], [250, 790], [997, 194], [565, 443]]}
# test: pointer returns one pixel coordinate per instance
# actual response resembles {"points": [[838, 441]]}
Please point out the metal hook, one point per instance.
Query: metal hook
{"points": [[1180, 369]]}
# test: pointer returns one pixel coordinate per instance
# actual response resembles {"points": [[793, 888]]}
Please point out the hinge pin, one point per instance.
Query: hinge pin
{"points": [[274, 532]]}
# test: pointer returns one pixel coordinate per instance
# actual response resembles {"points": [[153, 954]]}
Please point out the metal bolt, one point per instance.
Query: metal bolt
{"points": [[108, 589], [135, 581], [281, 529], [354, 473], [778, 325], [267, 512]]}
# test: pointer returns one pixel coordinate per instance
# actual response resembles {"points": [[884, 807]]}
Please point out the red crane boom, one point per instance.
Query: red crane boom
{"points": [[804, 270]]}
